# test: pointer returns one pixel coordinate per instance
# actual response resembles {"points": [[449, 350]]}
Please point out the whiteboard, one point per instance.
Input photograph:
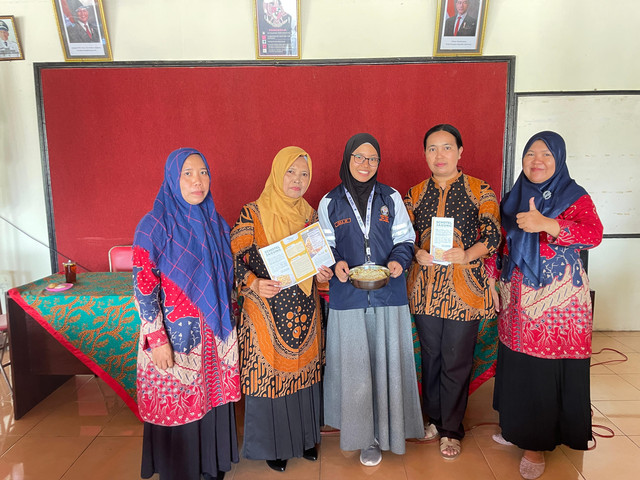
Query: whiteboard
{"points": [[602, 133]]}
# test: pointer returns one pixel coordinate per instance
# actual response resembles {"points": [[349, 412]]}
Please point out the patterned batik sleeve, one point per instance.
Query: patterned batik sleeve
{"points": [[242, 238], [580, 226], [146, 288], [489, 218], [408, 203]]}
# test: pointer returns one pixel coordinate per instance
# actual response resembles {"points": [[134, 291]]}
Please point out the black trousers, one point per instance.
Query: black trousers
{"points": [[447, 360]]}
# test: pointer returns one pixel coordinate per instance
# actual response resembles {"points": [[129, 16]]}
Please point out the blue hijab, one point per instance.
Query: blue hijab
{"points": [[552, 197], [190, 245]]}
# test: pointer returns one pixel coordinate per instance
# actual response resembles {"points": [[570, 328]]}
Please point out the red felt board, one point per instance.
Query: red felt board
{"points": [[109, 129]]}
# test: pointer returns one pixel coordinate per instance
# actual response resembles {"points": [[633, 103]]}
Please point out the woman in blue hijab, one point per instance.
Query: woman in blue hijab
{"points": [[187, 356], [545, 323]]}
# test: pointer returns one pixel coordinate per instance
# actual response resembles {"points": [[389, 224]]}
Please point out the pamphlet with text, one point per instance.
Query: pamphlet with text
{"points": [[441, 238], [298, 256]]}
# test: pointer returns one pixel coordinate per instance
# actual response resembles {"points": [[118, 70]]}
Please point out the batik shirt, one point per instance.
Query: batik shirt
{"points": [[554, 320], [205, 373], [454, 291], [280, 337]]}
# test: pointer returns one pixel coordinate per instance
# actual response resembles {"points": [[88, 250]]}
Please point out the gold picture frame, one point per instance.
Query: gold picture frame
{"points": [[463, 35], [10, 48], [83, 30], [277, 29]]}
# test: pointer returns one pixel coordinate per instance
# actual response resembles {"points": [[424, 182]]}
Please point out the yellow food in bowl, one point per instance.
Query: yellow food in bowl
{"points": [[368, 274]]}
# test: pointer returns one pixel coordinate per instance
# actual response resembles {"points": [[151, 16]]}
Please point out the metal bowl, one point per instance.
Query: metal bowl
{"points": [[364, 284]]}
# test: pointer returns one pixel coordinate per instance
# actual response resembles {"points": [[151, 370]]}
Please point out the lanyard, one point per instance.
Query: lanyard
{"points": [[366, 225]]}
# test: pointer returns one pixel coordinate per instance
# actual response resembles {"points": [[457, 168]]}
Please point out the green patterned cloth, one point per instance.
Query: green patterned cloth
{"points": [[96, 320]]}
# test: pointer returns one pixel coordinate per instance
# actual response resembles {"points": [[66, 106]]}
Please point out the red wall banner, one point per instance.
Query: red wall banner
{"points": [[109, 129]]}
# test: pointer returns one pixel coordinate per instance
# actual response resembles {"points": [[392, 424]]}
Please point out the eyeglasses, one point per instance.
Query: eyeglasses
{"points": [[359, 159]]}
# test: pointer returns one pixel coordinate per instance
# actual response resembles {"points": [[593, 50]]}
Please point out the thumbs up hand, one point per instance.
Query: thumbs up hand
{"points": [[533, 221]]}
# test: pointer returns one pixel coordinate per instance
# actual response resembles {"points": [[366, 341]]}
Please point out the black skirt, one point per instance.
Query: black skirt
{"points": [[542, 402], [185, 452], [282, 428]]}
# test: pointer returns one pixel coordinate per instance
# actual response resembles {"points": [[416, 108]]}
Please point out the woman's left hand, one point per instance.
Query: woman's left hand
{"points": [[394, 268], [456, 255], [324, 274]]}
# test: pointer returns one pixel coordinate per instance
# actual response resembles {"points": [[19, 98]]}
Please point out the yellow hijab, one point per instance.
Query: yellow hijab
{"points": [[282, 215]]}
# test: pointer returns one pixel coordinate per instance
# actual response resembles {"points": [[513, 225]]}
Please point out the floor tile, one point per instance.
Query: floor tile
{"points": [[424, 461], [625, 415], [602, 425], [108, 458], [630, 342], [632, 365], [633, 379], [624, 334], [74, 419], [297, 468], [615, 458], [123, 424], [597, 343], [84, 430], [40, 458], [612, 387], [479, 409], [337, 464], [7, 441], [635, 439]]}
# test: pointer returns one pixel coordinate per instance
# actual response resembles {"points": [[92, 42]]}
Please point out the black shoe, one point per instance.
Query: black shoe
{"points": [[310, 454], [277, 465], [219, 476]]}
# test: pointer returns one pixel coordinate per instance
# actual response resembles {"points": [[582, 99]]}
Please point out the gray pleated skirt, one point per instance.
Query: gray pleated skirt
{"points": [[370, 383]]}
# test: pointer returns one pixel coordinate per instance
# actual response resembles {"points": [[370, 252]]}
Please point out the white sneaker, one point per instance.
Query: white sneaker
{"points": [[371, 456]]}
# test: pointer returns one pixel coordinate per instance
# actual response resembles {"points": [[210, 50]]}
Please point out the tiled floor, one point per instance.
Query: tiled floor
{"points": [[84, 431]]}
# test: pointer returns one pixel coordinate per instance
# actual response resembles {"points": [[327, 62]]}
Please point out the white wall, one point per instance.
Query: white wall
{"points": [[559, 46]]}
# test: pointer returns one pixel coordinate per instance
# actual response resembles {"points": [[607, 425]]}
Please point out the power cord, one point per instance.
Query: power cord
{"points": [[42, 243]]}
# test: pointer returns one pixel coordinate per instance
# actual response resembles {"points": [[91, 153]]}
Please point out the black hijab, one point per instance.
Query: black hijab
{"points": [[360, 191]]}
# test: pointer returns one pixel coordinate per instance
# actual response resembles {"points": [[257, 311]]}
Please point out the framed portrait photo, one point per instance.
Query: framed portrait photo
{"points": [[277, 28], [9, 43], [460, 27], [83, 30]]}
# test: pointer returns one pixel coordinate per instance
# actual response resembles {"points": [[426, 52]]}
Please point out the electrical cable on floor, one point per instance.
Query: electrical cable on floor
{"points": [[615, 361], [608, 432]]}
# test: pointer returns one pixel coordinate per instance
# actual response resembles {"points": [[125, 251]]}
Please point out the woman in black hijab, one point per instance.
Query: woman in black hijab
{"points": [[370, 388]]}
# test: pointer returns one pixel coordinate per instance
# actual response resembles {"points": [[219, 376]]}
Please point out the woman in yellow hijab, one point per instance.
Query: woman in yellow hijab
{"points": [[279, 332]]}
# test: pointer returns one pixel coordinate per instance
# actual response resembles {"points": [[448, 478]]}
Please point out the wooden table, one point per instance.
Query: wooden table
{"points": [[90, 328]]}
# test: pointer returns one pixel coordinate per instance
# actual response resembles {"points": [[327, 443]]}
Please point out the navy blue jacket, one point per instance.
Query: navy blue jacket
{"points": [[391, 237]]}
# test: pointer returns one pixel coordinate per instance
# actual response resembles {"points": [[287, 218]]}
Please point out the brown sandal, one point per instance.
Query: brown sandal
{"points": [[449, 444]]}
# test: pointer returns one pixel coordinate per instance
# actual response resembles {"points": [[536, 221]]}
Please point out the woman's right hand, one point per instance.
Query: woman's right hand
{"points": [[494, 293], [342, 271], [424, 258], [265, 287], [162, 356]]}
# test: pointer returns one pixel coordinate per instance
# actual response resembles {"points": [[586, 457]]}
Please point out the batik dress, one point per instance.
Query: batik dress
{"points": [[542, 378], [194, 397], [280, 341]]}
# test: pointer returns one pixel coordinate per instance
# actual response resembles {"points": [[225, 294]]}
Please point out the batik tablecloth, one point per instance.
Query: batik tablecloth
{"points": [[96, 320]]}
